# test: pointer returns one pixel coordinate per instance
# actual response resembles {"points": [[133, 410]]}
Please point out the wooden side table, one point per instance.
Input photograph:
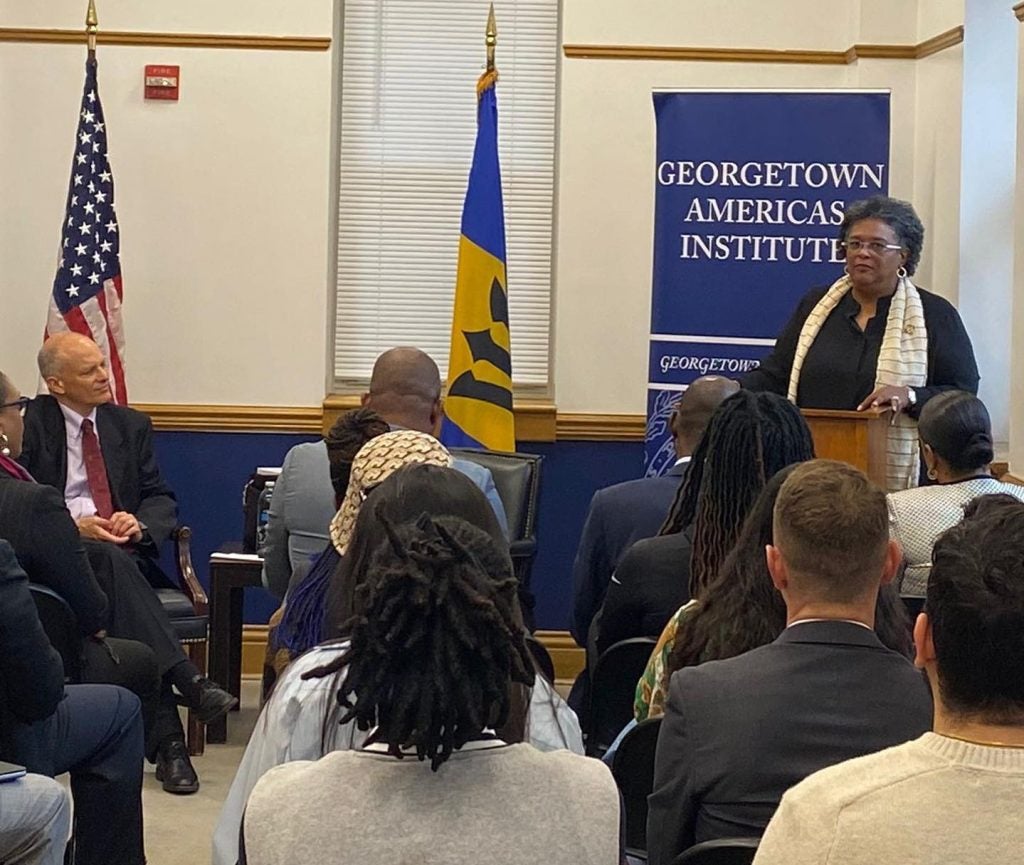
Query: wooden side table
{"points": [[231, 573]]}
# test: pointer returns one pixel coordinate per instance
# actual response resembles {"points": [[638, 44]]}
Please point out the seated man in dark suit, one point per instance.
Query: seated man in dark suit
{"points": [[92, 731], [738, 733], [625, 513], [100, 457], [622, 514]]}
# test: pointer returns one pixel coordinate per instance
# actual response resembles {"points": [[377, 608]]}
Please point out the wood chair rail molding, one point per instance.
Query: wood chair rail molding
{"points": [[536, 420], [867, 51], [568, 658], [168, 40]]}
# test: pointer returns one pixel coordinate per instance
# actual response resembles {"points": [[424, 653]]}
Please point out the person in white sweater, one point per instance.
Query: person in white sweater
{"points": [[955, 794], [435, 671], [956, 446]]}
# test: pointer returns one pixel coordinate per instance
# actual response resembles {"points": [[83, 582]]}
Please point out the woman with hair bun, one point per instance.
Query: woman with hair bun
{"points": [[956, 445]]}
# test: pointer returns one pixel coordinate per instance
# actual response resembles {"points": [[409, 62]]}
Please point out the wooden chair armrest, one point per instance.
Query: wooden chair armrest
{"points": [[190, 584]]}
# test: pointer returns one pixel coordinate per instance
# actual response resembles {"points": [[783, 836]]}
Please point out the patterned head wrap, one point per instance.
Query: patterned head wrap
{"points": [[376, 460]]}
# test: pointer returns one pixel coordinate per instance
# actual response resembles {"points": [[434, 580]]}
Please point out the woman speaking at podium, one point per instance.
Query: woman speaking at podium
{"points": [[873, 338]]}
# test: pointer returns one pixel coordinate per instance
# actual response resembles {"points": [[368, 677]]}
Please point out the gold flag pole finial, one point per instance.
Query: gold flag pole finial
{"points": [[492, 38], [91, 26]]}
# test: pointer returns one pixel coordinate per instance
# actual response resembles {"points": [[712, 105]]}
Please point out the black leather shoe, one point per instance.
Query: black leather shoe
{"points": [[174, 768], [210, 700]]}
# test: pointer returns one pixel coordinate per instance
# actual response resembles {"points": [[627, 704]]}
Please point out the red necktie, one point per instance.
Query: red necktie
{"points": [[96, 471]]}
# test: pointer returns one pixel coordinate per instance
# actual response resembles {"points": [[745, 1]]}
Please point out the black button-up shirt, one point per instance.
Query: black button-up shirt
{"points": [[840, 366]]}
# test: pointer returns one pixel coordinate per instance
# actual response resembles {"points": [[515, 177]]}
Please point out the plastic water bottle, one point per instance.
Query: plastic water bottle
{"points": [[263, 516]]}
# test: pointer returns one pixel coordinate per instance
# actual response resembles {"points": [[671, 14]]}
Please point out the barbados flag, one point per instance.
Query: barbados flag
{"points": [[478, 408]]}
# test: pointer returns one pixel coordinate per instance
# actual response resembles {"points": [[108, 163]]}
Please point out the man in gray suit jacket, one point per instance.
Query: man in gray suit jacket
{"points": [[738, 733], [405, 390]]}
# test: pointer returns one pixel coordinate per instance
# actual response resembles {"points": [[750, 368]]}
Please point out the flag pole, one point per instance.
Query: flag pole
{"points": [[491, 39], [91, 26]]}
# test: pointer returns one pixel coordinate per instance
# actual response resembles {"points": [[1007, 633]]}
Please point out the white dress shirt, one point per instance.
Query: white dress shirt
{"points": [[77, 494]]}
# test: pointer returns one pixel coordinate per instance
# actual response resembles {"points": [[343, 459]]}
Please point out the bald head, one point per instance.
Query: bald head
{"points": [[405, 390], [695, 407], [57, 349], [75, 371]]}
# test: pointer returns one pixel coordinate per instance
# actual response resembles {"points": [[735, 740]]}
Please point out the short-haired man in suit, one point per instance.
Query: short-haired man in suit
{"points": [[740, 732], [100, 456], [405, 391], [955, 794], [624, 513]]}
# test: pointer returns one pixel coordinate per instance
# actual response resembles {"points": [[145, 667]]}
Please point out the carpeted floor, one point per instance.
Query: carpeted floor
{"points": [[178, 828]]}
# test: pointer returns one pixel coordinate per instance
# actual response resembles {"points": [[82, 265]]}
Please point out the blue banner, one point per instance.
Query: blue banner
{"points": [[750, 190]]}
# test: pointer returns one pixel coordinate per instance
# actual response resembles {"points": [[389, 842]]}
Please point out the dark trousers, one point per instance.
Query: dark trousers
{"points": [[137, 614], [131, 665], [96, 735]]}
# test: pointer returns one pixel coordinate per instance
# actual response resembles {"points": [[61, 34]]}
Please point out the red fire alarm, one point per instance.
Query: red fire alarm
{"points": [[162, 82]]}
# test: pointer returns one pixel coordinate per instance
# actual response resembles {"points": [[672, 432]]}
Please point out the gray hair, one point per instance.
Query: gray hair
{"points": [[48, 360], [900, 216]]}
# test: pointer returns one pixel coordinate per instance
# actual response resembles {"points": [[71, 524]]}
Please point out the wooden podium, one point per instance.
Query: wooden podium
{"points": [[855, 437]]}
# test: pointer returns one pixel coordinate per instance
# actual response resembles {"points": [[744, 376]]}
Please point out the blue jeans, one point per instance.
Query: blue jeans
{"points": [[96, 735]]}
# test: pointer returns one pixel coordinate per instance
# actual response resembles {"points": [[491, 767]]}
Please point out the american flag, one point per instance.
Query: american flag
{"points": [[87, 289]]}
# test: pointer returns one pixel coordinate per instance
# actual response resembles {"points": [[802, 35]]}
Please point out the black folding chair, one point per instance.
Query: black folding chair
{"points": [[612, 689], [541, 657], [633, 770], [721, 851]]}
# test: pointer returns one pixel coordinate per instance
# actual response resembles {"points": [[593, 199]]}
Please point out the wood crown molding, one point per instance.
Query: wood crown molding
{"points": [[948, 39], [169, 40], [567, 656], [1018, 10], [536, 421]]}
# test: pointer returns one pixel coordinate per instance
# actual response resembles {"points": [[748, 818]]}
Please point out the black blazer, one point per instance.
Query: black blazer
{"points": [[126, 440], [31, 672], [651, 582], [738, 733], [619, 516], [36, 522]]}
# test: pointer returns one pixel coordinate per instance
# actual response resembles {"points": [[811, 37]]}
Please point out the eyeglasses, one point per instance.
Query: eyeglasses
{"points": [[875, 247], [21, 402]]}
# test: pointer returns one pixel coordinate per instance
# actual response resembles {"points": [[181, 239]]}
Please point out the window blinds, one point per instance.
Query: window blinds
{"points": [[408, 126]]}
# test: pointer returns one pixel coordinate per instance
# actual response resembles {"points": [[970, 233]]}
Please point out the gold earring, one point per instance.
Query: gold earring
{"points": [[5, 445]]}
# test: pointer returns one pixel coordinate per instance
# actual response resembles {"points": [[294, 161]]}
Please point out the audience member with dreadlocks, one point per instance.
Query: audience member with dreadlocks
{"points": [[750, 438], [435, 644], [301, 721]]}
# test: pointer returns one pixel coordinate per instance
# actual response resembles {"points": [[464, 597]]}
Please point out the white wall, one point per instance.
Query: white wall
{"points": [[223, 198], [989, 146], [1017, 357]]}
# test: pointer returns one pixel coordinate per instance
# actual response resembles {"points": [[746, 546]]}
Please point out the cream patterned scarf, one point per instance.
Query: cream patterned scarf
{"points": [[902, 361], [376, 460]]}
